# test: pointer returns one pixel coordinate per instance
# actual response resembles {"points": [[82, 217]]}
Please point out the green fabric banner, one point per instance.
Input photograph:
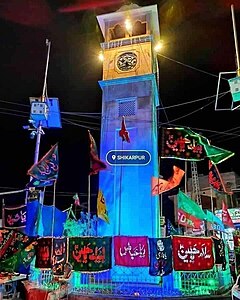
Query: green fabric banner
{"points": [[90, 254], [188, 205]]}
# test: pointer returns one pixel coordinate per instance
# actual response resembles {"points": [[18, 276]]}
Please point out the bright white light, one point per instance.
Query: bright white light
{"points": [[128, 25], [158, 46], [101, 56]]}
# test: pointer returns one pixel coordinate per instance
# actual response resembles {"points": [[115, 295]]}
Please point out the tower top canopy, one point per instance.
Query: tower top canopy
{"points": [[145, 14]]}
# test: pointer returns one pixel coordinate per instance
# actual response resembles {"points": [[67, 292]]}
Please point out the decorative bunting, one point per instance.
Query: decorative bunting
{"points": [[192, 253], [160, 256], [131, 251]]}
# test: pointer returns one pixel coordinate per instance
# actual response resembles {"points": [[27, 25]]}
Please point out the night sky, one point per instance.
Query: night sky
{"points": [[198, 44]]}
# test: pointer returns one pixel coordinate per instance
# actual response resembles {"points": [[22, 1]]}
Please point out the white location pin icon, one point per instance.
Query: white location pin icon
{"points": [[113, 157]]}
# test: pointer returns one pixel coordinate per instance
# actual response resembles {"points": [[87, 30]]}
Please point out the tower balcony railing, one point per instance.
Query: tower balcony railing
{"points": [[126, 41]]}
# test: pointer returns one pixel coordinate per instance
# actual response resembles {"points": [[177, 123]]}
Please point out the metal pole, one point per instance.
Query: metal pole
{"points": [[39, 129], [89, 205], [212, 208], [37, 146], [185, 182], [48, 44], [235, 40]]}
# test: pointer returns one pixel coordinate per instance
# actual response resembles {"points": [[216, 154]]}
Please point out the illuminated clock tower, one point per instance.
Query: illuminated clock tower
{"points": [[129, 88]]}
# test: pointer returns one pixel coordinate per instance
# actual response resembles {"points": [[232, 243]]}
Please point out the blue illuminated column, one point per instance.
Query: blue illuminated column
{"points": [[129, 88]]}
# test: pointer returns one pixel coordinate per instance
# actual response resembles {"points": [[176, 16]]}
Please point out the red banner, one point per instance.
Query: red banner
{"points": [[192, 253], [44, 253], [131, 251]]}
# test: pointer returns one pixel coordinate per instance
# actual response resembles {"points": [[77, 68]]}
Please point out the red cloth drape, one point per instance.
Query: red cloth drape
{"points": [[192, 253]]}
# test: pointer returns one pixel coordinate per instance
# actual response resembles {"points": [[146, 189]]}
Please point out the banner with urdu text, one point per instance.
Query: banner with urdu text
{"points": [[90, 254], [160, 256], [185, 144], [192, 253], [131, 251], [14, 217], [59, 256], [47, 167]]}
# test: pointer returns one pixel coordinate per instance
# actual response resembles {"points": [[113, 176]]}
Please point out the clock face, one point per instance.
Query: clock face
{"points": [[127, 61]]}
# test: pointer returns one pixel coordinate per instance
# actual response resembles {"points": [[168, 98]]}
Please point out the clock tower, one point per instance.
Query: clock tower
{"points": [[130, 90]]}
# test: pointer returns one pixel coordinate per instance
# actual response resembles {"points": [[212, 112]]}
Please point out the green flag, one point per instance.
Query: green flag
{"points": [[214, 219], [188, 205], [215, 154]]}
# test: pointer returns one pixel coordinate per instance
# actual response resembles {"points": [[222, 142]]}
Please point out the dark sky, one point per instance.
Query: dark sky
{"points": [[198, 44]]}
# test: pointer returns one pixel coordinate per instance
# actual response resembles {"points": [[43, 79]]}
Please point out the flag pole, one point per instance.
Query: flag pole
{"points": [[75, 209], [54, 202], [89, 204], [211, 199], [185, 177], [120, 198], [39, 130], [235, 40]]}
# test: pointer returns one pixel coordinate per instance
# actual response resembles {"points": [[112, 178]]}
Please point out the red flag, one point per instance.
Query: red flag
{"points": [[215, 180], [160, 185], [76, 199], [226, 218], [123, 133], [96, 164]]}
